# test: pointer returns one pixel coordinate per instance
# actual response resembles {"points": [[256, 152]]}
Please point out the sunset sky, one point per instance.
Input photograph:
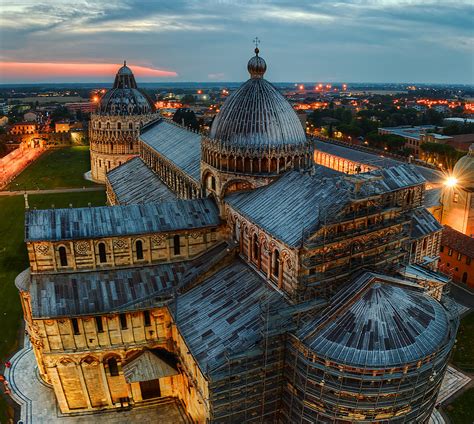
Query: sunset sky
{"points": [[307, 40]]}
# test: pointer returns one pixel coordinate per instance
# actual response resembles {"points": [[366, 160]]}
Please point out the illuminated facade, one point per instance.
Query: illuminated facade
{"points": [[114, 128], [458, 199], [226, 274]]}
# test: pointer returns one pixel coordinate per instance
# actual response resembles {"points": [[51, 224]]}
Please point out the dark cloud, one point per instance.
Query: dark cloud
{"points": [[370, 40]]}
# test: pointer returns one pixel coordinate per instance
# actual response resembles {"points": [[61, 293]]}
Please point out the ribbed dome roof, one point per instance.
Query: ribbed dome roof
{"points": [[464, 169], [124, 98], [387, 325], [257, 115]]}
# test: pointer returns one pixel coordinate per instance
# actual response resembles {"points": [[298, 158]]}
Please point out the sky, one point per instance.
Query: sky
{"points": [[211, 40]]}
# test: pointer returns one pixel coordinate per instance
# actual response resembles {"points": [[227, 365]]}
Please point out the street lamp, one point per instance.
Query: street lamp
{"points": [[451, 181]]}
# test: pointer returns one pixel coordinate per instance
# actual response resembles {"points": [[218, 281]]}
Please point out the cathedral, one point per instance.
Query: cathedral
{"points": [[231, 274]]}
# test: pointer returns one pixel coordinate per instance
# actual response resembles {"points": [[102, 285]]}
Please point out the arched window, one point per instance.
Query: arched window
{"points": [[131, 145], [130, 126], [119, 126], [255, 246], [108, 125], [464, 278], [62, 256], [102, 253], [139, 249], [113, 367], [276, 263], [213, 183], [100, 125], [176, 245]]}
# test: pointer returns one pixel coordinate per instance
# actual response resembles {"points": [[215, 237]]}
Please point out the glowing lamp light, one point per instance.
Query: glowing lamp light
{"points": [[451, 181]]}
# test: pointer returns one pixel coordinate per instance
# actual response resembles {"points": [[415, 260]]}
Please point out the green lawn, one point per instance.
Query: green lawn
{"points": [[13, 260], [461, 411], [57, 168], [463, 356]]}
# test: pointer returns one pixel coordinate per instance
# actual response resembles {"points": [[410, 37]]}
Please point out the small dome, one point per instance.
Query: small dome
{"points": [[464, 169], [257, 115], [256, 66], [125, 98], [386, 325]]}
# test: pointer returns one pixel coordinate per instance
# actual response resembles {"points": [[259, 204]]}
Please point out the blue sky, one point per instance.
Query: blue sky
{"points": [[346, 41]]}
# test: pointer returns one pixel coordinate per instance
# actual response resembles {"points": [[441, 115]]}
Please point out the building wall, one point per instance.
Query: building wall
{"points": [[460, 266], [120, 251], [458, 210], [340, 164], [427, 246], [114, 140]]}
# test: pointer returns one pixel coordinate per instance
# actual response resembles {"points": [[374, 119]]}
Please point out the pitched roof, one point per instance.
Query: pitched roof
{"points": [[423, 223], [107, 221], [458, 241], [147, 366], [179, 145], [133, 182], [223, 314], [300, 201], [112, 290], [378, 321]]}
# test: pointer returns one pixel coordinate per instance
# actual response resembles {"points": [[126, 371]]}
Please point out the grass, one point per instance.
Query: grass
{"points": [[463, 356], [461, 411], [57, 168], [13, 260]]}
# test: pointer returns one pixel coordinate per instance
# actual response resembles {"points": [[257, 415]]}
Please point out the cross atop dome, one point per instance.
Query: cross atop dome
{"points": [[256, 41]]}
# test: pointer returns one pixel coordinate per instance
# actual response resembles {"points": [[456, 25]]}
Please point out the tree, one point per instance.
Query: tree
{"points": [[187, 118], [188, 99]]}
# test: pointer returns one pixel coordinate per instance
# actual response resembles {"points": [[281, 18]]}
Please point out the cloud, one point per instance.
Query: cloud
{"points": [[353, 39], [17, 71]]}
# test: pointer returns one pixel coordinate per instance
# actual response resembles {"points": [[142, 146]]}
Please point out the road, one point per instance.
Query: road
{"points": [[51, 191]]}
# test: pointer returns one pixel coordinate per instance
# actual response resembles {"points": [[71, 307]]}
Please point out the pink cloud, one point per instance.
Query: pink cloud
{"points": [[37, 71]]}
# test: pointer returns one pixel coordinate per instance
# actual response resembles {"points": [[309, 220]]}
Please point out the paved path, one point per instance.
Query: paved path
{"points": [[51, 191], [38, 403]]}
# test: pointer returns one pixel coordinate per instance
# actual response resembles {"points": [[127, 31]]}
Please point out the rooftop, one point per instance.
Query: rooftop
{"points": [[458, 241], [378, 322], [299, 201], [133, 182], [423, 223], [222, 314], [177, 144], [112, 290], [108, 221]]}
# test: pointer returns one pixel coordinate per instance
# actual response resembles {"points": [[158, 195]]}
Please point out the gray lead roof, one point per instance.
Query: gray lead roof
{"points": [[223, 314], [133, 182], [177, 144], [423, 223], [379, 324], [298, 202], [108, 221]]}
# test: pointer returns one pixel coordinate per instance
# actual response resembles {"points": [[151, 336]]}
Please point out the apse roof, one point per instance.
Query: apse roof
{"points": [[378, 321]]}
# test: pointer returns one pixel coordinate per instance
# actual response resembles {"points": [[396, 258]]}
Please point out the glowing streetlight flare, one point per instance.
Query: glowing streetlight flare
{"points": [[451, 181]]}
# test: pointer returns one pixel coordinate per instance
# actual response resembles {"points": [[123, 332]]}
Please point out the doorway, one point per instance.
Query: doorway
{"points": [[150, 389]]}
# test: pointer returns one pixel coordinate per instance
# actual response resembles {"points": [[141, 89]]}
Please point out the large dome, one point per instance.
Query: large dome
{"points": [[464, 169], [124, 98], [257, 115]]}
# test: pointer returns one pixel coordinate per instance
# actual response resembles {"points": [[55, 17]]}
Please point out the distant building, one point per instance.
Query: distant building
{"points": [[21, 128], [62, 126], [412, 135], [85, 107], [456, 256], [447, 121], [30, 116]]}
